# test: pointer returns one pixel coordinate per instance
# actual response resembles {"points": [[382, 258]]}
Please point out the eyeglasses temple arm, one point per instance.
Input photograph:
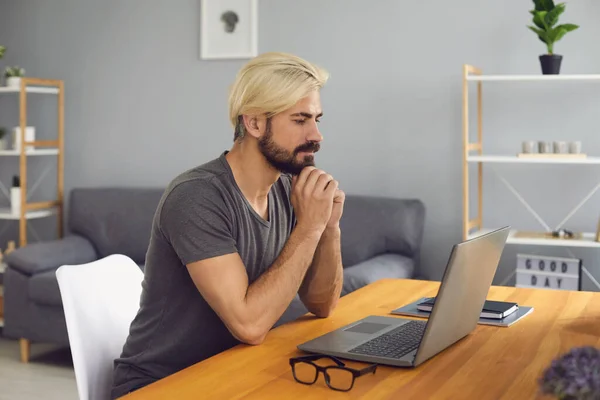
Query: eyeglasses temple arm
{"points": [[367, 370], [314, 357]]}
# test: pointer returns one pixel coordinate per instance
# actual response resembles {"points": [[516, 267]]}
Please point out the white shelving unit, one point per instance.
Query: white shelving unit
{"points": [[35, 210], [473, 154]]}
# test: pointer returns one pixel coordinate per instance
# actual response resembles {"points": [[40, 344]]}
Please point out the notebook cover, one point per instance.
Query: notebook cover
{"points": [[412, 311], [491, 306]]}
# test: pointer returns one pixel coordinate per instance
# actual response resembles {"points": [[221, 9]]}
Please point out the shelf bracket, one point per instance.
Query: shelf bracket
{"points": [[585, 271], [589, 275], [33, 232], [523, 201], [38, 182], [581, 204], [4, 191]]}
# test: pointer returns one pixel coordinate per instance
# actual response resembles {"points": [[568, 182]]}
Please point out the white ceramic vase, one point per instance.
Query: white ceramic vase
{"points": [[29, 137], [13, 81]]}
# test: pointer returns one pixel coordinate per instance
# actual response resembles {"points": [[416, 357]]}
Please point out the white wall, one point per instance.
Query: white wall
{"points": [[392, 122]]}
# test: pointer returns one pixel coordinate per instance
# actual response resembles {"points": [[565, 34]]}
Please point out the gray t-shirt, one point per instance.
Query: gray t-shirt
{"points": [[202, 214]]}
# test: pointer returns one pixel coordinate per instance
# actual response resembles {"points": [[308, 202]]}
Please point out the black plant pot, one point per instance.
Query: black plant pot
{"points": [[550, 64]]}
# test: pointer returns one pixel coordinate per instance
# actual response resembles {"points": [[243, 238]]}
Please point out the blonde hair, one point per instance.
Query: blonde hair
{"points": [[271, 83]]}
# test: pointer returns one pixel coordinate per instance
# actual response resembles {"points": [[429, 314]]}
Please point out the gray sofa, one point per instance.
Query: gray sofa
{"points": [[381, 238]]}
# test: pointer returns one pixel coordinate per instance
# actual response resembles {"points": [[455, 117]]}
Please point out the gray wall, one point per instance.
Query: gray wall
{"points": [[392, 122]]}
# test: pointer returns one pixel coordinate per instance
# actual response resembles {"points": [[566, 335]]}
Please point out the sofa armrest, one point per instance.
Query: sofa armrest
{"points": [[49, 255], [374, 225]]}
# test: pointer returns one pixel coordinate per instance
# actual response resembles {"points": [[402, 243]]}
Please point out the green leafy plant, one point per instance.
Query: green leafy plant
{"points": [[545, 17], [15, 71], [2, 50]]}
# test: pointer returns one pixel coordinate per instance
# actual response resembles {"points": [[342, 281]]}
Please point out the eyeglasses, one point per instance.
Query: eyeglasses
{"points": [[338, 377]]}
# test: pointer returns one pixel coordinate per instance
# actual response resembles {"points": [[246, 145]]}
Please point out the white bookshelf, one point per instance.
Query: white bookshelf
{"points": [[38, 209], [474, 156]]}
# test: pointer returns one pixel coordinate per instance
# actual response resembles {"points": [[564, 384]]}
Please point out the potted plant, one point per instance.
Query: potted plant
{"points": [[574, 375], [13, 76], [2, 50], [545, 17]]}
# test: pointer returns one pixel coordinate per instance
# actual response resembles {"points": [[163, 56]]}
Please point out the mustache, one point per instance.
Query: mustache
{"points": [[310, 146]]}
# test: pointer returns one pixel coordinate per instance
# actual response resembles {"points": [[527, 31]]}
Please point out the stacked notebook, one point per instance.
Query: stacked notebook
{"points": [[500, 313]]}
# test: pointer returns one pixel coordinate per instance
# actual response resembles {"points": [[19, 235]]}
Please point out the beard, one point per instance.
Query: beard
{"points": [[283, 160]]}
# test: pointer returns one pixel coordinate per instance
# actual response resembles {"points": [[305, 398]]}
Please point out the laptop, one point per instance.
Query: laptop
{"points": [[405, 342]]}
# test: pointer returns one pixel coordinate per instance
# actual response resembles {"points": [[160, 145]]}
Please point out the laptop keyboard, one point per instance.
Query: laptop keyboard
{"points": [[395, 343]]}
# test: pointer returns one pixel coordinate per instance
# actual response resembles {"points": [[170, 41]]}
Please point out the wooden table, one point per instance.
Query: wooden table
{"points": [[491, 363]]}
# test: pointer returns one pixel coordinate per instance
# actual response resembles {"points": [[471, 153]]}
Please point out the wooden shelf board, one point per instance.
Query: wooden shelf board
{"points": [[30, 89], [587, 240], [34, 152], [5, 213], [533, 159], [535, 77]]}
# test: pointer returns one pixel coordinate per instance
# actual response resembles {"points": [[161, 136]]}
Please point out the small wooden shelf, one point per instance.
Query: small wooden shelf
{"points": [[6, 214], [34, 152], [532, 159], [533, 78], [587, 239], [30, 89]]}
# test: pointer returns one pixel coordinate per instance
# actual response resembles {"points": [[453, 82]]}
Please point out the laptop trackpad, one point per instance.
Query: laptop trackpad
{"points": [[367, 327]]}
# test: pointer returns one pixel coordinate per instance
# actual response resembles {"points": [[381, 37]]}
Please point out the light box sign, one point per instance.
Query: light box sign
{"points": [[536, 271]]}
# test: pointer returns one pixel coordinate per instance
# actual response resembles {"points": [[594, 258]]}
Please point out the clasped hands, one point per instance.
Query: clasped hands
{"points": [[317, 200]]}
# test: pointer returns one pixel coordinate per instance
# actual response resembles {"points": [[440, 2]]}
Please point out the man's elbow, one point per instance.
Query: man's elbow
{"points": [[249, 334], [323, 310]]}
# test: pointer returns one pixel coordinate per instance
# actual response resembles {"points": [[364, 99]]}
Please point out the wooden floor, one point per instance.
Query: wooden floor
{"points": [[49, 374]]}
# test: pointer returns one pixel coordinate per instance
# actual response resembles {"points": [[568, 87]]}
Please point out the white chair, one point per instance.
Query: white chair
{"points": [[100, 299]]}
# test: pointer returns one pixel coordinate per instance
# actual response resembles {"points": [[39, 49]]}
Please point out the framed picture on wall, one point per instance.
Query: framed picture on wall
{"points": [[228, 29]]}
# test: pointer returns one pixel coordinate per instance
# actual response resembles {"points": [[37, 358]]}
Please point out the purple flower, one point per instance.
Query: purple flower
{"points": [[574, 376]]}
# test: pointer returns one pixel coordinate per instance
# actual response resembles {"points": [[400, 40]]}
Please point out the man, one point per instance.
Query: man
{"points": [[234, 240]]}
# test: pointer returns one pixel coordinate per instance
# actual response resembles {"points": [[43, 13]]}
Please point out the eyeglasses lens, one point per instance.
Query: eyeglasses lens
{"points": [[340, 378], [305, 372]]}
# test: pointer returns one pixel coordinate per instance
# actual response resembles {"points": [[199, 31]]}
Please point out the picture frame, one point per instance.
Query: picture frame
{"points": [[228, 29]]}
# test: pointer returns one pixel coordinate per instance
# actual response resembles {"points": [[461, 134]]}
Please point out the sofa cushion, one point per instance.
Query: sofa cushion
{"points": [[115, 220], [43, 289], [379, 267], [49, 255], [378, 225]]}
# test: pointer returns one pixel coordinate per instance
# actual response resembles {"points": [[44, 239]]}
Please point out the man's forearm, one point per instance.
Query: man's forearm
{"points": [[322, 284], [270, 295]]}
